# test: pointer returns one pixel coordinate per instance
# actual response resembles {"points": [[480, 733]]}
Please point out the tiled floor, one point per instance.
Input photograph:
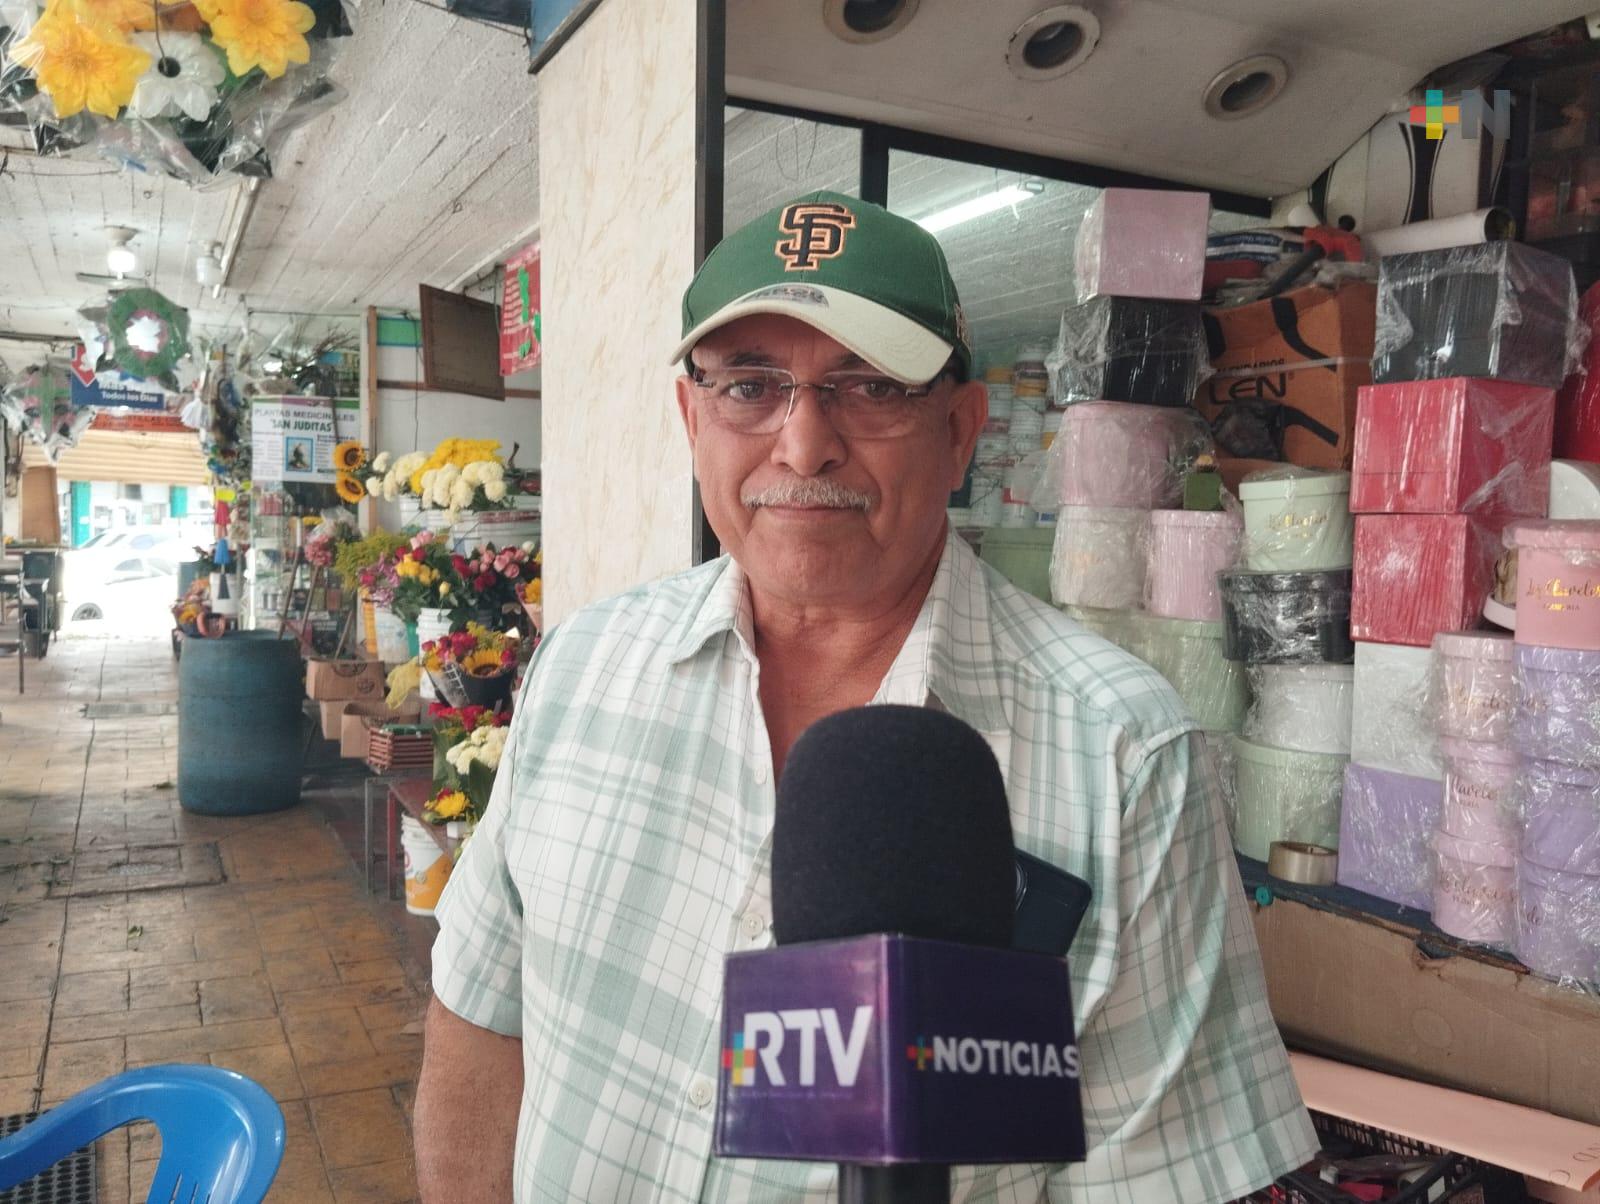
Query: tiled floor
{"points": [[286, 971]]}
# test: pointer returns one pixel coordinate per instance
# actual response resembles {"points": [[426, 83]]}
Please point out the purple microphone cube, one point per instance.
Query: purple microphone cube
{"points": [[888, 1049]]}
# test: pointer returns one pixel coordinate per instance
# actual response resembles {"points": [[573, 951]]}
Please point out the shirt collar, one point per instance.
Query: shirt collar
{"points": [[948, 657]]}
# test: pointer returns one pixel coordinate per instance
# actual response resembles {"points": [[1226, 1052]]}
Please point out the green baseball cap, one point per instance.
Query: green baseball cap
{"points": [[874, 281]]}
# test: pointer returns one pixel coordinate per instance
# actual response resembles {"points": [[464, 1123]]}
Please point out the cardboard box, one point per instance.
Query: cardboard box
{"points": [[351, 733], [1460, 445], [1286, 372], [1420, 574], [1364, 992], [333, 681], [331, 711]]}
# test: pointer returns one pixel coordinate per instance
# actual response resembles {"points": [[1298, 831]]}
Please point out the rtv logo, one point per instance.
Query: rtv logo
{"points": [[765, 1035]]}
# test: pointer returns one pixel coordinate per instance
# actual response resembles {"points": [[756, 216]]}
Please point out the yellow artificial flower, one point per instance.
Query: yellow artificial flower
{"points": [[485, 662], [406, 568], [348, 487], [427, 575], [533, 592], [269, 34], [448, 806], [349, 455], [444, 589], [81, 64]]}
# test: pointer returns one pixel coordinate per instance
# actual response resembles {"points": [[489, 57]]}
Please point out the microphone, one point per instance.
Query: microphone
{"points": [[894, 1030]]}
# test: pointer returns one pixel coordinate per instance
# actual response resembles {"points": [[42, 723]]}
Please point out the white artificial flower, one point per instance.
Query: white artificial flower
{"points": [[374, 486], [493, 470], [390, 491], [472, 473], [183, 77], [461, 495], [380, 462], [495, 491], [528, 547]]}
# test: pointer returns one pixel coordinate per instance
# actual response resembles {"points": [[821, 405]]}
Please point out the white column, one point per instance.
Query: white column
{"points": [[616, 208]]}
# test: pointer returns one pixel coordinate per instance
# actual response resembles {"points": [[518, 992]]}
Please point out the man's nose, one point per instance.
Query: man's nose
{"points": [[809, 444]]}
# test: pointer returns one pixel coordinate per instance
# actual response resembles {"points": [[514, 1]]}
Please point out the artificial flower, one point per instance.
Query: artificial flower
{"points": [[375, 485], [122, 15], [380, 462], [269, 34], [449, 804], [349, 455], [348, 487], [495, 491], [81, 65], [183, 77]]}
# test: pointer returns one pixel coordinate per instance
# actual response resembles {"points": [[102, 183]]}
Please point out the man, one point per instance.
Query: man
{"points": [[829, 403]]}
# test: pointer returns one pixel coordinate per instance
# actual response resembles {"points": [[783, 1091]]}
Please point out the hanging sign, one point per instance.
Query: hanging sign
{"points": [[292, 438], [99, 394], [520, 320]]}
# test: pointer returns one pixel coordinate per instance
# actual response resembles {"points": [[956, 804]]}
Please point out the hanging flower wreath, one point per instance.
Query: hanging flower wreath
{"points": [[149, 334]]}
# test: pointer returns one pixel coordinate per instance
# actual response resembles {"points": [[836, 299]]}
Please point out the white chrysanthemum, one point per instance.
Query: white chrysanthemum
{"points": [[380, 462], [183, 77], [374, 485], [390, 491], [493, 470], [461, 495], [473, 473], [495, 491]]}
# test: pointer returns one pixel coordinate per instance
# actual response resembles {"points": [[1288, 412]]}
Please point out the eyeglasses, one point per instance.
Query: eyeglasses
{"points": [[861, 405]]}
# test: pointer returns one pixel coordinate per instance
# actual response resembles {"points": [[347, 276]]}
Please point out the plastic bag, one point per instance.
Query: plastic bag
{"points": [[37, 404], [1123, 349], [1099, 557], [1393, 721], [1386, 834], [1190, 656], [198, 91], [1498, 309], [1305, 708], [1456, 446]]}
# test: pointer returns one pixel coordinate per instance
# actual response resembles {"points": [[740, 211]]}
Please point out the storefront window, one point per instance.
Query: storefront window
{"points": [[769, 158]]}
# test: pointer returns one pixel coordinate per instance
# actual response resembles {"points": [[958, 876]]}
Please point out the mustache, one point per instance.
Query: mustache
{"points": [[822, 492]]}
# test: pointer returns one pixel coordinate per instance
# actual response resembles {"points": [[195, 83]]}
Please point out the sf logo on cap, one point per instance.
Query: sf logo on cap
{"points": [[815, 232]]}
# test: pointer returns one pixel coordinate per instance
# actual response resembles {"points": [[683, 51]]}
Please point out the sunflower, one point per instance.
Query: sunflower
{"points": [[349, 487], [485, 662], [349, 456]]}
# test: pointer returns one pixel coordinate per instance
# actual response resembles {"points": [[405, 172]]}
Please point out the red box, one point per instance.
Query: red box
{"points": [[1578, 403], [1460, 445], [1418, 574]]}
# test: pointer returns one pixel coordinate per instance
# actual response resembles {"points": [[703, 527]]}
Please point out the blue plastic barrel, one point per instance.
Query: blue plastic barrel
{"points": [[240, 716]]}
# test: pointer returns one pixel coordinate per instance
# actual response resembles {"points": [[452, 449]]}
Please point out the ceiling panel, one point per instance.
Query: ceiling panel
{"points": [[1135, 103], [425, 173]]}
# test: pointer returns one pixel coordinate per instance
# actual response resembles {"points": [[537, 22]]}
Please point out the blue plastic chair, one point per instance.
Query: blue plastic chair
{"points": [[221, 1133]]}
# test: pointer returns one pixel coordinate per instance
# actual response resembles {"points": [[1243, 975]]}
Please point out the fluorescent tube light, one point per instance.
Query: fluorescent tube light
{"points": [[1012, 194]]}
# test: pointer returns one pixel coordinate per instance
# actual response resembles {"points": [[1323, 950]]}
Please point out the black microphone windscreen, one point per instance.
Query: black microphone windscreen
{"points": [[892, 819]]}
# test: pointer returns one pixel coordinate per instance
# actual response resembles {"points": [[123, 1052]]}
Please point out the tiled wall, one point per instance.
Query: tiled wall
{"points": [[616, 199]]}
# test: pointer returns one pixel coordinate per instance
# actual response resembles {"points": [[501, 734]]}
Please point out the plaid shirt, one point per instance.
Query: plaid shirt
{"points": [[627, 850]]}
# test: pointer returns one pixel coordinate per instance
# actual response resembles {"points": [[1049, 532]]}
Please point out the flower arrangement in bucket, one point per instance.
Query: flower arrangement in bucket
{"points": [[475, 667], [192, 90], [423, 576], [491, 582], [474, 759], [459, 476]]}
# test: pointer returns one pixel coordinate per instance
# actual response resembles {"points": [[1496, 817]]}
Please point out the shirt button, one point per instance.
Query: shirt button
{"points": [[702, 1092], [753, 924], [761, 773]]}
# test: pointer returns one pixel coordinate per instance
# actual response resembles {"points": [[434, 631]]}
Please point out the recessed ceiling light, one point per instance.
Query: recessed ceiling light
{"points": [[1247, 87], [1052, 42], [867, 20]]}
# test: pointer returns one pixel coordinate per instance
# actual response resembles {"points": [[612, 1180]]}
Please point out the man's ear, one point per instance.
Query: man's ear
{"points": [[969, 411]]}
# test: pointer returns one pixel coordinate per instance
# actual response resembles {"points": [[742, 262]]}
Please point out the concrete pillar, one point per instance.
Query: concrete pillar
{"points": [[616, 208]]}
